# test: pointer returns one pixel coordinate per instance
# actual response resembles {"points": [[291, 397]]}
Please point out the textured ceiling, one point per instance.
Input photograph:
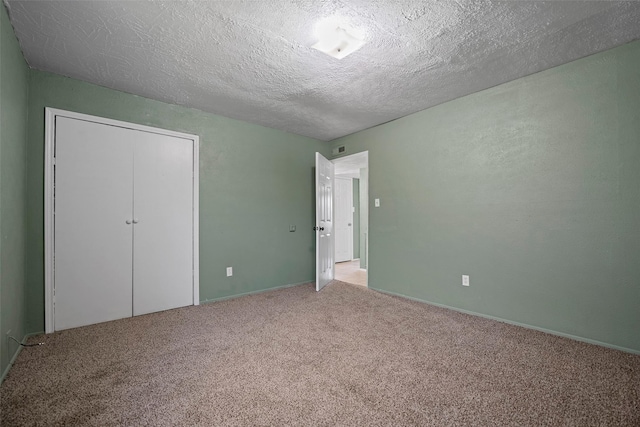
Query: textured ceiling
{"points": [[252, 60]]}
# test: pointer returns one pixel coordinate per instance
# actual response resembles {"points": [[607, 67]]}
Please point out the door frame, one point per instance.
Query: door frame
{"points": [[49, 180], [364, 245]]}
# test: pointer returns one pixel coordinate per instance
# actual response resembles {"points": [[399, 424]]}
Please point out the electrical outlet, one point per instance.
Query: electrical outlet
{"points": [[292, 228], [229, 271], [465, 280]]}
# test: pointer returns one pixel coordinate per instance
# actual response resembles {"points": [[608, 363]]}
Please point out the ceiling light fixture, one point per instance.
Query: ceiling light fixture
{"points": [[336, 40]]}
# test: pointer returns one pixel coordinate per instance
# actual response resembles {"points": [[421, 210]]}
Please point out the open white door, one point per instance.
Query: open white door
{"points": [[324, 221]]}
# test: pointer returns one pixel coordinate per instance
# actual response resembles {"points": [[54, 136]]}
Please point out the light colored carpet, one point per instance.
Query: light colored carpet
{"points": [[345, 356]]}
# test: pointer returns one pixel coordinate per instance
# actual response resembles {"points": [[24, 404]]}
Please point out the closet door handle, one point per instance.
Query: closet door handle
{"points": [[135, 220], [128, 221]]}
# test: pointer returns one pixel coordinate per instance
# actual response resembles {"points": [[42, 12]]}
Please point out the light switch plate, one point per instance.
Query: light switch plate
{"points": [[292, 228], [229, 271], [377, 203], [465, 280]]}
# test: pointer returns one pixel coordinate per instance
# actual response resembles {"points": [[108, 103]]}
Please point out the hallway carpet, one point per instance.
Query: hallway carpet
{"points": [[345, 356]]}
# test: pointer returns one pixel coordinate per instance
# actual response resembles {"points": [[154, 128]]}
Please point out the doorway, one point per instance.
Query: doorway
{"points": [[351, 199]]}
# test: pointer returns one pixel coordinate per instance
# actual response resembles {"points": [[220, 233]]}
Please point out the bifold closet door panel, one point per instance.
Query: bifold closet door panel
{"points": [[163, 232], [93, 242]]}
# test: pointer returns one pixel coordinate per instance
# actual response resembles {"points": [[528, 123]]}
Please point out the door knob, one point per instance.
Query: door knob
{"points": [[321, 228], [316, 228], [135, 220], [349, 224], [128, 221]]}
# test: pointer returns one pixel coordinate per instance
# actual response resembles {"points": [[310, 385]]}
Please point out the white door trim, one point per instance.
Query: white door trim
{"points": [[49, 161], [364, 207]]}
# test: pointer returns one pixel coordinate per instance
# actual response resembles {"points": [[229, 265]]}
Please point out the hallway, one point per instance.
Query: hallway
{"points": [[350, 272]]}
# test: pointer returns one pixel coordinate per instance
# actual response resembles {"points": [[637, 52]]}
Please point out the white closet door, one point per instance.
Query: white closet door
{"points": [[93, 202], [163, 229]]}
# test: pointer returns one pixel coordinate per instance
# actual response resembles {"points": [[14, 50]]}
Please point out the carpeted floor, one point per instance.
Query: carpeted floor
{"points": [[345, 356]]}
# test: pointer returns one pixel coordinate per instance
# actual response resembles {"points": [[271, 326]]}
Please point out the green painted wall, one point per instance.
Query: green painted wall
{"points": [[532, 188], [364, 217], [14, 77], [356, 218], [254, 183]]}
